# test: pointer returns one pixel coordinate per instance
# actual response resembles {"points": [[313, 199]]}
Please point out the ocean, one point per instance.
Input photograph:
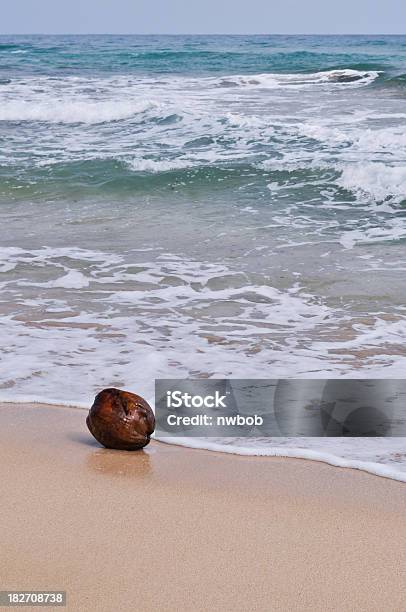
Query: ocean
{"points": [[203, 206]]}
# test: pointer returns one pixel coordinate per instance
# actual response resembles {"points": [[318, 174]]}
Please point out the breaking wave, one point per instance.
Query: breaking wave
{"points": [[301, 80], [71, 111], [93, 101]]}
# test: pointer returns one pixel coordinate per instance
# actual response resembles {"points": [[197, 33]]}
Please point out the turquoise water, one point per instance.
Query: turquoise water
{"points": [[203, 55], [141, 113], [200, 206]]}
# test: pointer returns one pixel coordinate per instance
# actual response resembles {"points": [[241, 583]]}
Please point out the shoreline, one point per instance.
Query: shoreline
{"points": [[381, 470], [172, 528]]}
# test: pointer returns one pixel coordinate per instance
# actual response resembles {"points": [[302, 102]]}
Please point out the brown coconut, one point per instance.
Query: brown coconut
{"points": [[121, 420]]}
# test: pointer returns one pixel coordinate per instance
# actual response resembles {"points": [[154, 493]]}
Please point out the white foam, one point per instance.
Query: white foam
{"points": [[98, 100], [176, 317], [340, 78], [71, 111], [376, 181], [72, 280], [159, 165]]}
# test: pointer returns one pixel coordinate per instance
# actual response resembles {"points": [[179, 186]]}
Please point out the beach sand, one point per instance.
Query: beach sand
{"points": [[171, 528]]}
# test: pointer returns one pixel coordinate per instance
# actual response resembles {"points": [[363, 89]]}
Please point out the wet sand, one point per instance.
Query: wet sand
{"points": [[177, 529]]}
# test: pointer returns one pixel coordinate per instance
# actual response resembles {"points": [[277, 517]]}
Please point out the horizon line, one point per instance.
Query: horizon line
{"points": [[199, 34]]}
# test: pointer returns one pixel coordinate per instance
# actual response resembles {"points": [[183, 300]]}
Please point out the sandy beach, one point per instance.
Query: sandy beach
{"points": [[170, 528]]}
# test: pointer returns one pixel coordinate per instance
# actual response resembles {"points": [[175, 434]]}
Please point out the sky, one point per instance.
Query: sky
{"points": [[203, 16]]}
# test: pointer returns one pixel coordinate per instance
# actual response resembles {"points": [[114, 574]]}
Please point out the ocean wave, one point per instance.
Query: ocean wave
{"points": [[377, 181], [121, 177], [8, 47], [99, 100], [71, 111], [276, 80], [113, 132], [155, 166]]}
